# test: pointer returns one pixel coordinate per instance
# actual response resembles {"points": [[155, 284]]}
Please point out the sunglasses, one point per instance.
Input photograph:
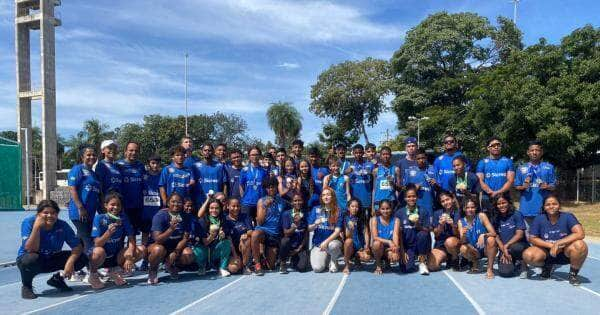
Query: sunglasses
{"points": [[449, 141], [495, 145]]}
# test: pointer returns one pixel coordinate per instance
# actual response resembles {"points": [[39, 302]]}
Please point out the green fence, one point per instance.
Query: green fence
{"points": [[10, 175]]}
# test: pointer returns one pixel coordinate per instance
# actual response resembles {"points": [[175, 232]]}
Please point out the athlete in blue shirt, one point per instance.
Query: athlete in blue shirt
{"points": [[42, 238], [463, 183], [221, 154], [361, 180], [318, 172], [340, 153], [477, 237], [326, 221], [421, 176], [496, 173], [386, 179], [288, 184], [410, 159], [295, 237], [133, 172], [251, 182], [510, 226], [233, 171], [557, 238], [307, 186], [188, 148], [445, 230], [152, 201], [239, 227], [385, 233], [535, 180], [107, 171], [356, 237], [176, 177], [209, 175], [443, 163], [339, 182]]}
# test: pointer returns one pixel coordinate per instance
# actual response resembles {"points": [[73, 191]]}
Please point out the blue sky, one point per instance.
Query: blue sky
{"points": [[121, 60]]}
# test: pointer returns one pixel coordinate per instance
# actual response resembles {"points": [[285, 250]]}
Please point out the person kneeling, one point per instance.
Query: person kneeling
{"points": [[355, 237], [212, 244], [511, 241], [385, 233], [326, 221], [295, 236], [477, 237]]}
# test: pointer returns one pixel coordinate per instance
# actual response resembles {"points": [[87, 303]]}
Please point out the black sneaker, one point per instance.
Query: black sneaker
{"points": [[547, 271], [27, 293], [453, 264], [574, 279], [283, 269], [59, 282]]}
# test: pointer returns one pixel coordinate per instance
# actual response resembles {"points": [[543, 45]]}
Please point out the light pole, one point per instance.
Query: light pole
{"points": [[186, 95], [418, 127], [27, 175]]}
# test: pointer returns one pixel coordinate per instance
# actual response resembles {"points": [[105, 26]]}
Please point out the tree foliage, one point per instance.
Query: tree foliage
{"points": [[285, 121]]}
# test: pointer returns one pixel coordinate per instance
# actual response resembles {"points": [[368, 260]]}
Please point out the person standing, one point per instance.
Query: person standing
{"points": [[107, 170], [443, 163], [496, 174], [233, 171], [133, 172]]}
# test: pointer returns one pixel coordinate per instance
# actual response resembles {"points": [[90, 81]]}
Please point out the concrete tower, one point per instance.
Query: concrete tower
{"points": [[34, 15]]}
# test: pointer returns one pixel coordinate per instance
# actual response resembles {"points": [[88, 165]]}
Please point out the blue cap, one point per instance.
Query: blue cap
{"points": [[410, 140]]}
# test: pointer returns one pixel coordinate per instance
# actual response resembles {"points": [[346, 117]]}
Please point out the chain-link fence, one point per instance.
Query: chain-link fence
{"points": [[582, 184]]}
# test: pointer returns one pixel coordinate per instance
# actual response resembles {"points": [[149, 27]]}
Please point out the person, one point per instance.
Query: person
{"points": [[209, 175], [239, 227], [415, 226], [306, 184], [176, 177], [272, 151], [188, 148], [356, 237], [170, 235], [385, 233], [386, 179], [232, 173], [267, 162], [443, 163], [268, 227], [188, 207], [297, 148], [339, 182], [251, 179], [410, 159], [295, 237], [477, 237], [288, 183], [221, 154], [280, 157], [556, 237], [318, 172], [133, 172], [152, 201], [422, 176], [361, 180], [107, 171], [340, 153], [496, 173], [109, 233], [445, 229], [43, 236], [212, 245], [463, 183], [535, 180], [510, 227], [371, 153], [84, 188], [326, 221]]}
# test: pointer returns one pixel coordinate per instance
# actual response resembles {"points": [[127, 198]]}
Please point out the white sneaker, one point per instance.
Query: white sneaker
{"points": [[78, 276], [224, 273], [333, 266], [423, 269], [525, 273]]}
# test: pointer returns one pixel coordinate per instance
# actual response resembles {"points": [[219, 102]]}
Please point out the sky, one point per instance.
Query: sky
{"points": [[120, 60]]}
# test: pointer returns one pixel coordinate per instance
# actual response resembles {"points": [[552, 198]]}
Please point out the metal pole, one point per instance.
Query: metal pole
{"points": [[186, 95], [593, 183], [27, 176], [418, 132], [577, 195]]}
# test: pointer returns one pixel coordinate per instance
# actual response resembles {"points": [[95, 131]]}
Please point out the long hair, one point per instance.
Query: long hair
{"points": [[496, 212], [311, 182], [333, 205], [464, 205]]}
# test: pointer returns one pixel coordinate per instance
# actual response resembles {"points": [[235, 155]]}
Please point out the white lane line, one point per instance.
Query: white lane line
{"points": [[592, 257], [579, 286], [336, 295], [60, 303], [179, 311], [465, 293], [9, 284]]}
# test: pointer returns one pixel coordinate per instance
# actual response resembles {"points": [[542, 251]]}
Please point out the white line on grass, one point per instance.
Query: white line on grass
{"points": [[465, 293], [336, 295], [579, 286], [179, 311]]}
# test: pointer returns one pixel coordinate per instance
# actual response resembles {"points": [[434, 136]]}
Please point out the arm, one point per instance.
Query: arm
{"points": [[281, 188], [261, 212], [70, 264], [510, 179], [484, 187], [32, 245], [182, 244], [203, 209], [83, 215], [577, 233], [375, 233], [333, 236], [161, 238], [396, 237], [326, 180], [462, 231], [100, 241], [347, 185], [487, 224], [163, 194]]}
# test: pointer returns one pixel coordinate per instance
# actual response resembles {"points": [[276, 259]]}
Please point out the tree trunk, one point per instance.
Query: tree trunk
{"points": [[364, 131]]}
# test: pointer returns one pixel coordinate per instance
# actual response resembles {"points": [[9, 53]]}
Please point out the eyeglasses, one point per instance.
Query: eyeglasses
{"points": [[449, 141], [495, 145]]}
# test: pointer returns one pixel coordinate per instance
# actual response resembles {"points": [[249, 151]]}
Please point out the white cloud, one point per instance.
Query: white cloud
{"points": [[288, 65]]}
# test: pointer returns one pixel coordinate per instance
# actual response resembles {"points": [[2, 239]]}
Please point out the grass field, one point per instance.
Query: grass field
{"points": [[589, 216]]}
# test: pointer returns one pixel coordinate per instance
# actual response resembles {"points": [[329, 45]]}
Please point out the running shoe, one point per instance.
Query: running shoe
{"points": [[525, 272], [173, 272], [58, 282], [333, 267], [27, 293], [224, 272], [78, 276], [94, 281], [547, 271], [574, 279], [152, 277], [116, 276], [283, 268], [201, 271], [423, 270], [258, 270]]}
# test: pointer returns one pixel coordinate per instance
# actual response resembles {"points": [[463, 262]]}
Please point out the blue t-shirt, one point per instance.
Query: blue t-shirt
{"points": [[162, 221], [109, 175], [358, 233], [405, 164], [116, 241], [189, 161], [51, 241], [425, 194], [152, 201], [251, 179], [338, 184], [174, 179], [361, 182], [344, 165], [318, 174], [383, 188], [544, 229], [385, 231], [507, 226], [472, 182], [233, 181], [297, 238], [409, 229], [474, 230], [444, 170], [324, 229], [208, 176], [532, 198], [272, 223], [88, 189], [235, 228], [448, 229], [133, 183], [495, 171]]}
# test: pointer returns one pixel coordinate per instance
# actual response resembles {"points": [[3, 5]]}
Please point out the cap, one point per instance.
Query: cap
{"points": [[106, 143], [410, 140]]}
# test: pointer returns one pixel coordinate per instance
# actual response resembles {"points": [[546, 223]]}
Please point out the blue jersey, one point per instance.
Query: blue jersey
{"points": [[474, 230], [385, 231], [233, 181], [544, 229], [507, 226], [162, 221], [361, 182], [495, 171], [51, 241], [152, 201], [116, 242], [272, 223], [384, 188], [109, 175], [251, 180], [444, 170], [173, 179], [208, 176], [468, 182], [425, 194], [133, 183], [344, 165], [297, 238], [318, 174], [532, 198], [338, 184], [358, 230], [189, 161], [409, 229], [235, 228], [324, 229], [88, 189], [405, 164], [448, 230]]}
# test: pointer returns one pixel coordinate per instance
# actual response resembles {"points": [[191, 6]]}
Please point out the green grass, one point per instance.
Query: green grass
{"points": [[589, 216]]}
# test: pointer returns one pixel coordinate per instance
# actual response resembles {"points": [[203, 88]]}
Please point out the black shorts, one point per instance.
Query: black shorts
{"points": [[272, 240], [110, 262], [135, 218], [560, 259], [249, 210], [146, 225]]}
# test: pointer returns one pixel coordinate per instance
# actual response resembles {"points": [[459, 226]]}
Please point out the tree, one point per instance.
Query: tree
{"points": [[352, 94], [93, 133], [285, 121], [333, 135]]}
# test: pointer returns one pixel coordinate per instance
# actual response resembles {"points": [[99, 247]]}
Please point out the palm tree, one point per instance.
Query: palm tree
{"points": [[285, 121]]}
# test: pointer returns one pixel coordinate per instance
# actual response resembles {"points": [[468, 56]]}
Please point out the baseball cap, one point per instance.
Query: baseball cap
{"points": [[410, 140], [106, 143]]}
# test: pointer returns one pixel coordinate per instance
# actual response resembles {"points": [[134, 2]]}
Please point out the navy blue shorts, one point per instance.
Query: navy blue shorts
{"points": [[560, 259]]}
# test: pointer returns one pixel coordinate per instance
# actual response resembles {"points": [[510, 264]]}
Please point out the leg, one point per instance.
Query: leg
{"points": [[271, 253], [223, 251], [423, 250], [410, 261], [156, 254], [258, 237], [97, 259], [318, 259], [284, 252], [302, 261], [246, 251], [534, 256], [334, 250], [201, 255], [491, 250], [577, 253], [29, 265], [84, 232], [377, 248], [348, 252], [452, 246], [435, 259]]}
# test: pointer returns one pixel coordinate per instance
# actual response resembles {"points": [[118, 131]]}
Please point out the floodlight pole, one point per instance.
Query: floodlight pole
{"points": [[186, 95], [516, 4], [27, 177], [418, 127]]}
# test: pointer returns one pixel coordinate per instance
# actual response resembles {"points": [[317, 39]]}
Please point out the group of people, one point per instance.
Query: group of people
{"points": [[282, 210]]}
